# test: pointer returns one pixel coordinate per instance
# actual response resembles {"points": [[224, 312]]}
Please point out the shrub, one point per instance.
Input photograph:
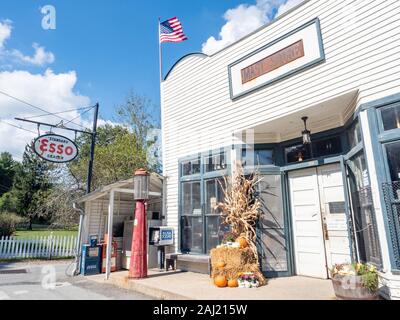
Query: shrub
{"points": [[9, 223]]}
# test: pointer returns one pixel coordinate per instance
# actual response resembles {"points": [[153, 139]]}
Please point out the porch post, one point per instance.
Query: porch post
{"points": [[110, 235]]}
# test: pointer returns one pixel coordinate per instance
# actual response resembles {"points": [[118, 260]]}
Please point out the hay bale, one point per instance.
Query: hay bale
{"points": [[236, 261], [232, 257]]}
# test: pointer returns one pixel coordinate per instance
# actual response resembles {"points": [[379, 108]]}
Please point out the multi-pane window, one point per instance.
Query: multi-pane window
{"points": [[393, 156], [215, 228], [190, 167], [201, 225], [354, 135], [318, 148], [257, 157], [363, 211], [391, 117], [215, 162]]}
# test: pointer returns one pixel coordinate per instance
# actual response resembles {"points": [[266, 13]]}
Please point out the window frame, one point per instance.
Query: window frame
{"points": [[202, 177]]}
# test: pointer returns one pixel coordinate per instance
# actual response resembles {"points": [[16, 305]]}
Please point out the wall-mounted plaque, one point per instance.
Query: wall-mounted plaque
{"points": [[295, 51]]}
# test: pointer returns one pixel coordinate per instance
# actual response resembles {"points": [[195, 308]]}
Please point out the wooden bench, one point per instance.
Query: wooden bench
{"points": [[188, 262]]}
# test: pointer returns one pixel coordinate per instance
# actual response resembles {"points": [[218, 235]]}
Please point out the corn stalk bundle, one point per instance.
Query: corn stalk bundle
{"points": [[241, 209]]}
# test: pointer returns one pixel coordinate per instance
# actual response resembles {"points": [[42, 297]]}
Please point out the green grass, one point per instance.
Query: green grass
{"points": [[40, 232]]}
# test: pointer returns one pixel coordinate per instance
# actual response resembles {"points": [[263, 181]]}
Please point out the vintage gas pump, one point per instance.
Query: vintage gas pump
{"points": [[138, 262]]}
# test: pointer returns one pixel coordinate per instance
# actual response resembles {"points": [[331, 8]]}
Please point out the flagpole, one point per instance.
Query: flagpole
{"points": [[160, 50]]}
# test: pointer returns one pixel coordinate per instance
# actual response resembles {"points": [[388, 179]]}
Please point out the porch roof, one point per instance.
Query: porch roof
{"points": [[155, 189]]}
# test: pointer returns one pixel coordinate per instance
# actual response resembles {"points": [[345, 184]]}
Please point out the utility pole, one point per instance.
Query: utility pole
{"points": [[94, 134]]}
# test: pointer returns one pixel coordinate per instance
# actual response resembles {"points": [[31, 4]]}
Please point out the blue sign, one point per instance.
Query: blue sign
{"points": [[166, 236]]}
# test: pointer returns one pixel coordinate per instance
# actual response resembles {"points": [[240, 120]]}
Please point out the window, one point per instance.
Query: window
{"points": [[391, 117], [201, 225], [257, 157], [354, 135], [215, 162], [191, 167], [191, 198], [363, 211], [327, 147], [192, 234], [297, 153], [319, 148], [215, 230], [393, 156]]}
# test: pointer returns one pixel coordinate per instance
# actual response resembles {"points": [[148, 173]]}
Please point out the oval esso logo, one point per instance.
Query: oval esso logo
{"points": [[55, 148]]}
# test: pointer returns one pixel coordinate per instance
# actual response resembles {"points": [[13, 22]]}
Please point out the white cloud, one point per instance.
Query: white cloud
{"points": [[48, 90], [287, 6], [244, 19], [40, 57], [5, 31]]}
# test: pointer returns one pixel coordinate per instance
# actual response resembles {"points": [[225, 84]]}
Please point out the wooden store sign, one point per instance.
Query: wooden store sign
{"points": [[55, 148], [291, 53], [273, 62]]}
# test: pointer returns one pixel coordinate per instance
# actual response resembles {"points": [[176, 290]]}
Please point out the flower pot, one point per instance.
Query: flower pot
{"points": [[351, 288]]}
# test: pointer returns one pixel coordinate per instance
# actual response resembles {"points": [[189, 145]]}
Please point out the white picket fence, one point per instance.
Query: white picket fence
{"points": [[37, 247]]}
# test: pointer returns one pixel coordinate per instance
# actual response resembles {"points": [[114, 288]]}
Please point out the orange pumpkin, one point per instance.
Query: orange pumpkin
{"points": [[221, 264], [242, 242], [220, 281], [233, 283]]}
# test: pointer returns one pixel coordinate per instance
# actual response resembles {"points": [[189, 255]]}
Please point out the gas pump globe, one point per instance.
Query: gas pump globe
{"points": [[141, 185], [138, 263]]}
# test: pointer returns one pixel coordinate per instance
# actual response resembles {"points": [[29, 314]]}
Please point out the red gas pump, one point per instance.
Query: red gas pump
{"points": [[138, 263]]}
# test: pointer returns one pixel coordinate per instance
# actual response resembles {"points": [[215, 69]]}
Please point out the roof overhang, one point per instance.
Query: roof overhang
{"points": [[125, 186]]}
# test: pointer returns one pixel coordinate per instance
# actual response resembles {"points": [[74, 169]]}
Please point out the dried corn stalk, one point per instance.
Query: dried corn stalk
{"points": [[241, 209]]}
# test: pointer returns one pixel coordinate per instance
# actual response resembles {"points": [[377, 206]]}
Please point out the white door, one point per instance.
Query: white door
{"points": [[307, 224], [333, 214]]}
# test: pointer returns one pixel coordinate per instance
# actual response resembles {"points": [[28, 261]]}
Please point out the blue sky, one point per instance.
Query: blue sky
{"points": [[112, 45], [100, 50]]}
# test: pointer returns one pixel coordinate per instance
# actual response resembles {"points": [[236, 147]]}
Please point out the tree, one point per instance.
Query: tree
{"points": [[7, 172], [117, 155], [139, 114], [32, 186]]}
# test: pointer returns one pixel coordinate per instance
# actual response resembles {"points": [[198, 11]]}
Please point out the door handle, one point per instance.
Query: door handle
{"points": [[326, 234]]}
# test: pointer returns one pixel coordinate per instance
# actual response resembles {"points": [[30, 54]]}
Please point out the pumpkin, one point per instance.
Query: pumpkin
{"points": [[242, 242], [220, 281], [221, 264], [233, 283]]}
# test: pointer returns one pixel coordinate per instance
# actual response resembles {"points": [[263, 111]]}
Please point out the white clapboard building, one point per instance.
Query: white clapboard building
{"points": [[334, 200]]}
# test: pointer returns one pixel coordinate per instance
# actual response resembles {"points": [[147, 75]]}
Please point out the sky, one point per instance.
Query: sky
{"points": [[76, 53]]}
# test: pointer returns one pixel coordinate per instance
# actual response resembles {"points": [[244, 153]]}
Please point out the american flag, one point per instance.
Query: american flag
{"points": [[171, 31]]}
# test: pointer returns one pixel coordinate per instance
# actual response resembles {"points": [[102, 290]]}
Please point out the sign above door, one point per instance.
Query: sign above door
{"points": [[295, 51]]}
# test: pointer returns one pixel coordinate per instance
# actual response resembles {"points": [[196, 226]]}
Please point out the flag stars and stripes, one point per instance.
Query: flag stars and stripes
{"points": [[171, 31]]}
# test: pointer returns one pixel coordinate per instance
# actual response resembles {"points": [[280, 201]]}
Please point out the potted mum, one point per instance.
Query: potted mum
{"points": [[248, 280], [356, 281]]}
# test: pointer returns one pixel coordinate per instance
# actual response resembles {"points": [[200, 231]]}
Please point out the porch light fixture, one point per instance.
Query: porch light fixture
{"points": [[306, 133]]}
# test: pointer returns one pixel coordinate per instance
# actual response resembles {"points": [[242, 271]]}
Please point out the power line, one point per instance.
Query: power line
{"points": [[80, 115], [36, 107], [18, 127], [54, 113]]}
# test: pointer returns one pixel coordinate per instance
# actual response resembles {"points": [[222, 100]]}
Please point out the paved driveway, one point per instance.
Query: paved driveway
{"points": [[51, 281]]}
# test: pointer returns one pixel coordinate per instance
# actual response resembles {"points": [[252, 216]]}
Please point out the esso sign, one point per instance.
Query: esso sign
{"points": [[55, 148]]}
